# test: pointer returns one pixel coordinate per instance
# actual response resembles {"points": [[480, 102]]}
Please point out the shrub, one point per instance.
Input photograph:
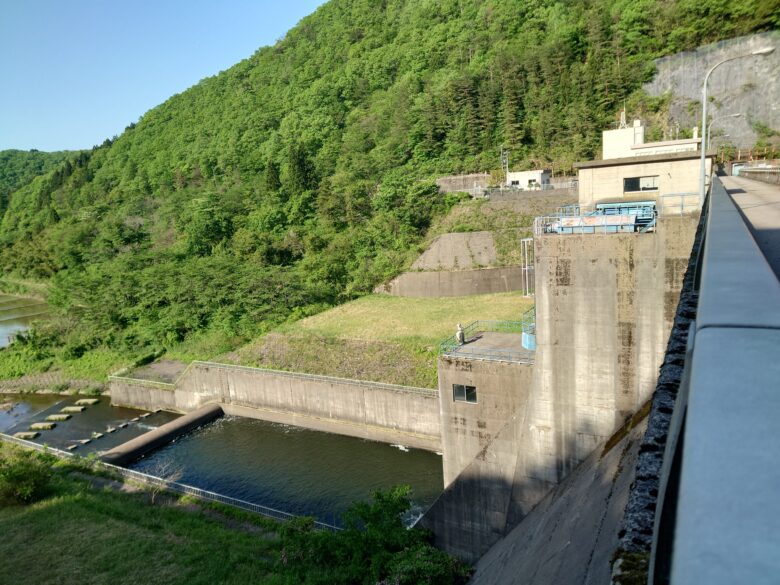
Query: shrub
{"points": [[374, 547], [25, 476]]}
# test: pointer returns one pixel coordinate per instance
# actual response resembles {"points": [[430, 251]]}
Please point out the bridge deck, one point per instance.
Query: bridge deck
{"points": [[760, 206]]}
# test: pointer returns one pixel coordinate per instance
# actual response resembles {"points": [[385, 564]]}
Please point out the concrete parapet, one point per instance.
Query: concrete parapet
{"points": [[135, 448]]}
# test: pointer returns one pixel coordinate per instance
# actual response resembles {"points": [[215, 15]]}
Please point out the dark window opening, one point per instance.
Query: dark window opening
{"points": [[632, 184], [463, 393]]}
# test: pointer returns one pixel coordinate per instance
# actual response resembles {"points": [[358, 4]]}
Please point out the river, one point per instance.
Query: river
{"points": [[17, 314]]}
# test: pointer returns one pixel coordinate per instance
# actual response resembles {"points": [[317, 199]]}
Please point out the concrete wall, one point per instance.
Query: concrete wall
{"points": [[458, 251], [605, 183], [456, 183], [467, 429], [142, 394], [604, 309], [368, 410], [617, 143], [455, 283], [570, 537], [763, 175]]}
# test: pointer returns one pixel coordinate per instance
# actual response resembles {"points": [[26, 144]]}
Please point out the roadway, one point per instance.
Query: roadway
{"points": [[759, 204]]}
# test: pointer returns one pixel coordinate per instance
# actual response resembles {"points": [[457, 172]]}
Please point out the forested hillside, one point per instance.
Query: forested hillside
{"points": [[19, 167], [301, 176]]}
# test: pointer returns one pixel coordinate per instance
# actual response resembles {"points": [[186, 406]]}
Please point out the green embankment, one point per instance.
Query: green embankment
{"points": [[378, 337]]}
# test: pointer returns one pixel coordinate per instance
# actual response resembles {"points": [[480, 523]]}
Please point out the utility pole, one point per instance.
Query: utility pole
{"points": [[505, 164]]}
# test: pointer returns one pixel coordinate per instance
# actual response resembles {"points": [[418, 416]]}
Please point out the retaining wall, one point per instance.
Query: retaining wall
{"points": [[368, 410], [458, 251], [457, 283]]}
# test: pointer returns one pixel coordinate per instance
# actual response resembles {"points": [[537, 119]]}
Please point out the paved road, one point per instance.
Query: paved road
{"points": [[760, 204]]}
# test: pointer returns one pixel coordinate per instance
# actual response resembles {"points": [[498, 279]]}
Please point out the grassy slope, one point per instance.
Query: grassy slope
{"points": [[88, 536], [378, 337]]}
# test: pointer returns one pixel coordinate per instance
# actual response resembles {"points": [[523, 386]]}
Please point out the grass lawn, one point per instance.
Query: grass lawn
{"points": [[388, 318], [378, 337], [84, 536]]}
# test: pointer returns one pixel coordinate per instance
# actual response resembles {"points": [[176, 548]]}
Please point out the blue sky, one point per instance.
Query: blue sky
{"points": [[74, 73]]}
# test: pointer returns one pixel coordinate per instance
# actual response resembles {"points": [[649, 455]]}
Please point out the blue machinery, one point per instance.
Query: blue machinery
{"points": [[606, 218]]}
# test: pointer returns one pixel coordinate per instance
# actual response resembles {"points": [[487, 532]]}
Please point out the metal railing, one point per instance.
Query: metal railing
{"points": [[450, 346], [594, 224], [528, 321], [487, 191], [173, 486]]}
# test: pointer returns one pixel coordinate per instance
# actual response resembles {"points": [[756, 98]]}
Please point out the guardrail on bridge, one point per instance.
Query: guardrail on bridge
{"points": [[718, 512]]}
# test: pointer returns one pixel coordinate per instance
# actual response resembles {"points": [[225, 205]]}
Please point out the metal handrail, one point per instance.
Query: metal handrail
{"points": [[451, 348], [528, 321], [683, 205], [173, 486]]}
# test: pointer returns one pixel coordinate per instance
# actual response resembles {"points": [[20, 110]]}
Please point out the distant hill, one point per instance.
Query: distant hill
{"points": [[19, 167], [300, 177]]}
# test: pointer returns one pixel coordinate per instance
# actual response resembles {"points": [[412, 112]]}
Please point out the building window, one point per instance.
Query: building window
{"points": [[462, 393], [635, 184]]}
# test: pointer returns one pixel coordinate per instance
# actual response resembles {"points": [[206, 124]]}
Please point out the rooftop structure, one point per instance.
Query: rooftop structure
{"points": [[629, 141], [528, 180], [632, 170]]}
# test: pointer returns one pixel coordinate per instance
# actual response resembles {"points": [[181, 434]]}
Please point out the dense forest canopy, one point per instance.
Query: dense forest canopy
{"points": [[301, 176], [19, 167]]}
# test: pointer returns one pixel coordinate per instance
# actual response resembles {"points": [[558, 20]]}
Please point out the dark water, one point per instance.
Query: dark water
{"points": [[17, 314], [97, 418], [287, 468], [292, 469]]}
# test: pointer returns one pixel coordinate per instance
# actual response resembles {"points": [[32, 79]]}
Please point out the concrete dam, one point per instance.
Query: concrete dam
{"points": [[605, 306], [553, 428]]}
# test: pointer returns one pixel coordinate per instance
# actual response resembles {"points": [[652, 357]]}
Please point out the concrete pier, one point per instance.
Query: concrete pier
{"points": [[132, 450]]}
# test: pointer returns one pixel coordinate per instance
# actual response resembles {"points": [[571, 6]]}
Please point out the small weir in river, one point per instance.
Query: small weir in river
{"points": [[290, 469]]}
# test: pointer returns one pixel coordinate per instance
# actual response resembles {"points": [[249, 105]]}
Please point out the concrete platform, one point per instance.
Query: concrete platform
{"points": [[759, 204], [492, 345]]}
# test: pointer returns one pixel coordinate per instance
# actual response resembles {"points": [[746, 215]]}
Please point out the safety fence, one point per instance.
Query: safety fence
{"points": [[604, 218], [172, 486], [471, 349]]}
